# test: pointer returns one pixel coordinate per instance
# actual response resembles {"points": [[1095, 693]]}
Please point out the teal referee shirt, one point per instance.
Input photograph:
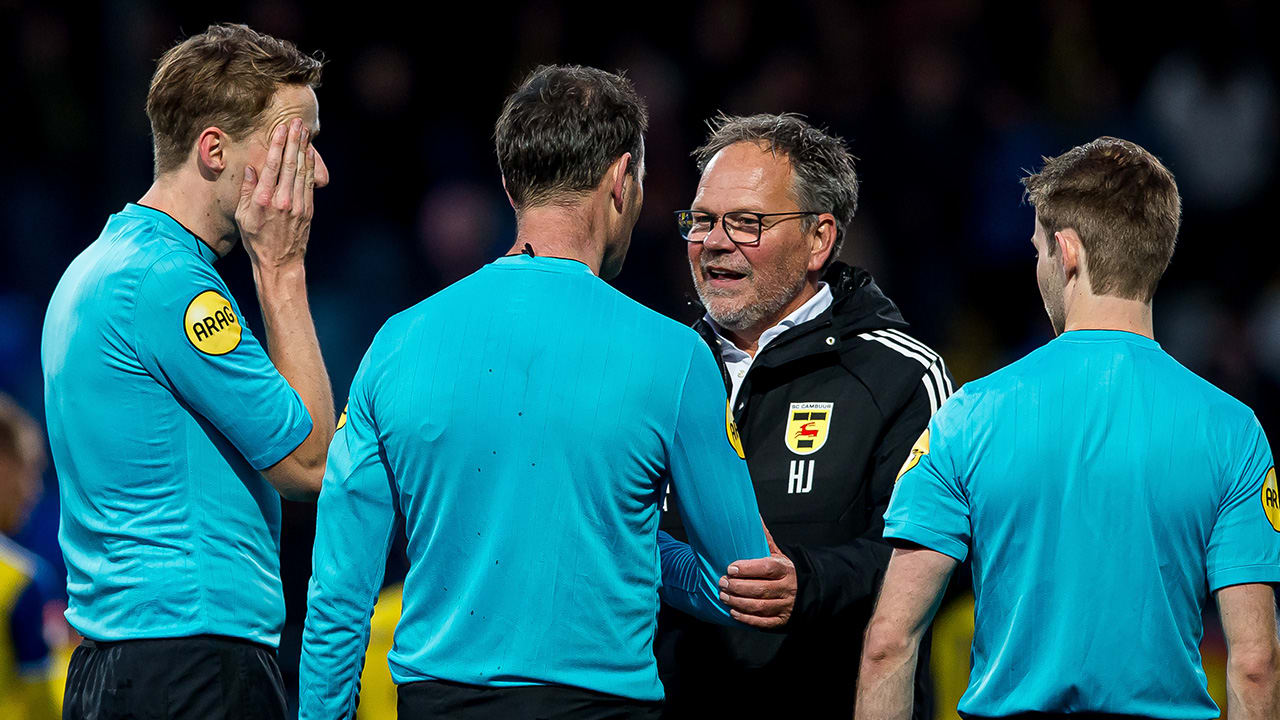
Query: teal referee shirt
{"points": [[162, 407], [524, 420], [1102, 491]]}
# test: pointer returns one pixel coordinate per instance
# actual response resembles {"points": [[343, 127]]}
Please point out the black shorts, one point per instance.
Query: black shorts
{"points": [[205, 677], [440, 699]]}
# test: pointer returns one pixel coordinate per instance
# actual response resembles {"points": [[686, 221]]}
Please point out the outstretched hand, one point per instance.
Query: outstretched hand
{"points": [[762, 592], [275, 209]]}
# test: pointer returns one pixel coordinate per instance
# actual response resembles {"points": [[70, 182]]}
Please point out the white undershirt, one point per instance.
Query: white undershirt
{"points": [[738, 361]]}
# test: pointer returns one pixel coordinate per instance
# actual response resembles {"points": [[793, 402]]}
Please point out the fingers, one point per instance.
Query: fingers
{"points": [[271, 170], [283, 197], [761, 623], [310, 182], [247, 185], [757, 608], [300, 201], [770, 568], [760, 593], [759, 589]]}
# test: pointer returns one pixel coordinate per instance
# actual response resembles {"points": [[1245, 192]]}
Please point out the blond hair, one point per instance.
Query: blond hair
{"points": [[224, 77]]}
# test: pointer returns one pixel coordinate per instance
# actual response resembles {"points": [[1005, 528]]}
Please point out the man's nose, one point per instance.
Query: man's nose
{"points": [[718, 239], [322, 170]]}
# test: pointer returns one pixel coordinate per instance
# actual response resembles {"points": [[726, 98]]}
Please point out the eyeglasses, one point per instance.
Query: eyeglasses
{"points": [[741, 226]]}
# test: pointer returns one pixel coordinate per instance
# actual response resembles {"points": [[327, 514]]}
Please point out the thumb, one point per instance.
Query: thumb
{"points": [[773, 547], [250, 182]]}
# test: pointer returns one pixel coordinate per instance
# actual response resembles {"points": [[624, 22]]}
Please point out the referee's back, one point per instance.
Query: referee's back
{"points": [[1104, 490], [523, 420]]}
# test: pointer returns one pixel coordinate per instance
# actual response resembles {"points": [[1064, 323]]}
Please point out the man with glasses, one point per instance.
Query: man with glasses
{"points": [[829, 395]]}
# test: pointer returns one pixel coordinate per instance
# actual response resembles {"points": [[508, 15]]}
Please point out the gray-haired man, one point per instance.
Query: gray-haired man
{"points": [[829, 394]]}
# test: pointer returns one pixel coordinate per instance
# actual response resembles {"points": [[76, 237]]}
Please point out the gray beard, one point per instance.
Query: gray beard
{"points": [[771, 302]]}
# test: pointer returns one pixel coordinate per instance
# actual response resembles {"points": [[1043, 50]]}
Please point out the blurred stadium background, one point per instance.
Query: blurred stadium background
{"points": [[945, 103]]}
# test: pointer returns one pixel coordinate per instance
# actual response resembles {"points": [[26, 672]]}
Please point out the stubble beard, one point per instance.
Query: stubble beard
{"points": [[1057, 320], [1055, 308], [742, 311]]}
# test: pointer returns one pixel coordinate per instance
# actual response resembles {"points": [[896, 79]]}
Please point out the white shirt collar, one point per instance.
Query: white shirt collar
{"points": [[737, 362], [814, 307]]}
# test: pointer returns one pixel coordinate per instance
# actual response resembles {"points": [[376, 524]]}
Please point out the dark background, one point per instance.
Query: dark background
{"points": [[946, 103]]}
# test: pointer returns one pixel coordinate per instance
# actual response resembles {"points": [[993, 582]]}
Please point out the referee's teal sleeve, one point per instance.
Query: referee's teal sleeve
{"points": [[189, 336], [355, 517], [717, 500], [1244, 543], [930, 505]]}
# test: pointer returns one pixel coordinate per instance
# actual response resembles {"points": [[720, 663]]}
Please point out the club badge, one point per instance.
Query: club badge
{"points": [[808, 425]]}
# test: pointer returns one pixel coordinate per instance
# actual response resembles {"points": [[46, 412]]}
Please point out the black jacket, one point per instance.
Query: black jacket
{"points": [[827, 413]]}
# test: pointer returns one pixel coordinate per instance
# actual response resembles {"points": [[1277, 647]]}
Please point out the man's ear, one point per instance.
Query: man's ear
{"points": [[620, 175], [822, 238], [1070, 252], [211, 152], [507, 192]]}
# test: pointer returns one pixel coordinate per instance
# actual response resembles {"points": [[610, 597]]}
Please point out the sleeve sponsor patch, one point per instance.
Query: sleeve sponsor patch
{"points": [[1271, 499], [211, 325], [342, 419], [731, 430], [919, 450]]}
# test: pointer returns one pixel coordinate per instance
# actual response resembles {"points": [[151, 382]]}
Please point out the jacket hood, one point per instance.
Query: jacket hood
{"points": [[858, 304]]}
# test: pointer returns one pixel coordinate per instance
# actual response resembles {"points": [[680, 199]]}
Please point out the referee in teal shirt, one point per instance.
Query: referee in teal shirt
{"points": [[165, 411], [1100, 490], [526, 420]]}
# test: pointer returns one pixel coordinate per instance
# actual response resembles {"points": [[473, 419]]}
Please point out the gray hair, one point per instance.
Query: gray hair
{"points": [[825, 180]]}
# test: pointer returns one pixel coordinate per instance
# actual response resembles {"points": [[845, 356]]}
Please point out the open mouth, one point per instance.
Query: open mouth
{"points": [[722, 275]]}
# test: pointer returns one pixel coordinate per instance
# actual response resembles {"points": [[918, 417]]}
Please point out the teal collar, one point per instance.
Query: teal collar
{"points": [[1092, 336], [543, 262], [176, 228]]}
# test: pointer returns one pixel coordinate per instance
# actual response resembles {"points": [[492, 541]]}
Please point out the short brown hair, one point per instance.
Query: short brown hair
{"points": [[225, 76], [561, 130], [1124, 205], [824, 178]]}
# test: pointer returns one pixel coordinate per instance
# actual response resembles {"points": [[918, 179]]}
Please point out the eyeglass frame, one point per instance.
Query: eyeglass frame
{"points": [[721, 221]]}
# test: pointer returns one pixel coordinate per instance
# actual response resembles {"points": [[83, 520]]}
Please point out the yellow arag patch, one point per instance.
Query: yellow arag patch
{"points": [[211, 324], [342, 419], [731, 429], [1271, 499], [919, 450]]}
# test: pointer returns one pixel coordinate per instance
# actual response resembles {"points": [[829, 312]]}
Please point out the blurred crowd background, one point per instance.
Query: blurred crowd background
{"points": [[946, 103]]}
